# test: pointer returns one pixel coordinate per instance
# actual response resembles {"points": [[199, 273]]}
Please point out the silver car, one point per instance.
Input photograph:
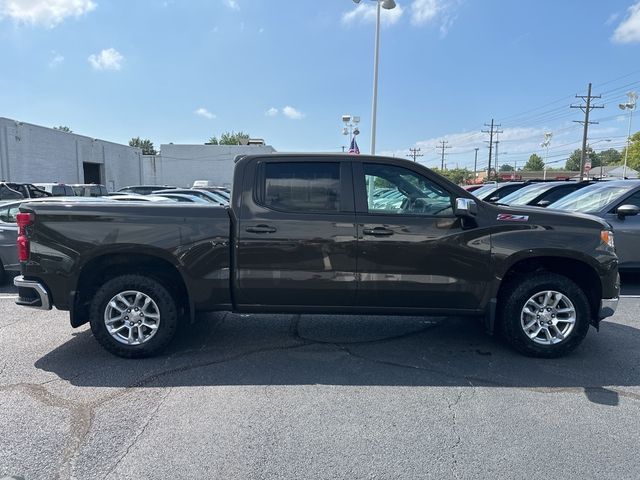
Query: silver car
{"points": [[618, 202]]}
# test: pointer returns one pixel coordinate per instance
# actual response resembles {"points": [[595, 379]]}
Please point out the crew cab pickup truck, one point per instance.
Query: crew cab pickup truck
{"points": [[320, 234]]}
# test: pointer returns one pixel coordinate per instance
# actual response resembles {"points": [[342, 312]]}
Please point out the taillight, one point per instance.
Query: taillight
{"points": [[23, 220]]}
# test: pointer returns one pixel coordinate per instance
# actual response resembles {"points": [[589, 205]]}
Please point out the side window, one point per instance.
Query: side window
{"points": [[633, 200], [396, 190], [558, 193], [8, 215], [302, 186]]}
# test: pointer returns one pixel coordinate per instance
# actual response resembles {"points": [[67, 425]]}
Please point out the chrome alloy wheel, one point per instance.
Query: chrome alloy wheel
{"points": [[132, 317], [548, 317]]}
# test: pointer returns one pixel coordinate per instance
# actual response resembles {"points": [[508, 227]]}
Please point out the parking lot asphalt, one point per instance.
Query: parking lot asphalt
{"points": [[312, 396]]}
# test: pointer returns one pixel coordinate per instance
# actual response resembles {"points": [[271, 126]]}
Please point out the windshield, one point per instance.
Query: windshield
{"points": [[591, 199], [524, 195]]}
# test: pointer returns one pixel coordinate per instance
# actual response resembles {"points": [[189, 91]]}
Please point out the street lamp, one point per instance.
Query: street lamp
{"points": [[545, 144], [387, 5], [631, 106], [350, 126]]}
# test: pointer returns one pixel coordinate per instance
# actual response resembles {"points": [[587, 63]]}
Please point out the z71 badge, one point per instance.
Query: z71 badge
{"points": [[507, 217]]}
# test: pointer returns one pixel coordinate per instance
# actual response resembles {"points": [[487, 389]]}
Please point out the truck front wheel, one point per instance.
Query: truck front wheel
{"points": [[133, 316], [544, 315]]}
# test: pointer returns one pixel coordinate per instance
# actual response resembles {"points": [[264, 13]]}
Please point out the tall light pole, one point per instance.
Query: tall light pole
{"points": [[545, 144], [631, 106], [387, 5]]}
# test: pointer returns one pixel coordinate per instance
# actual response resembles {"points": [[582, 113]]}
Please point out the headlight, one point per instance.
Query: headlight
{"points": [[607, 237]]}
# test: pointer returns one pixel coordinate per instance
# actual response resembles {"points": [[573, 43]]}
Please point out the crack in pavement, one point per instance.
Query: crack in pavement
{"points": [[139, 434]]}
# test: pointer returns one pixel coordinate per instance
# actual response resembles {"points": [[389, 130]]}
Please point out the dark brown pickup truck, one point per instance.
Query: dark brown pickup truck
{"points": [[320, 233]]}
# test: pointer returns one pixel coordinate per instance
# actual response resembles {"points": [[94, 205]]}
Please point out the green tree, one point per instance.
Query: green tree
{"points": [[633, 161], [609, 157], [506, 168], [534, 163], [145, 145], [63, 128], [573, 162], [229, 138], [456, 175]]}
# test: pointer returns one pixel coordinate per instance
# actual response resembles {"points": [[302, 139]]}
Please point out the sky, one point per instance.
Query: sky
{"points": [[287, 70]]}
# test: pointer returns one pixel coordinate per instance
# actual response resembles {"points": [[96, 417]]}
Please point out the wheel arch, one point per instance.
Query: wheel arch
{"points": [[100, 268]]}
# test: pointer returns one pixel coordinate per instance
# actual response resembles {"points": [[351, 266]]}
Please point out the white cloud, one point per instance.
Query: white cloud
{"points": [[629, 29], [56, 60], [203, 112], [365, 12], [48, 13], [232, 4], [272, 112], [424, 12], [107, 59], [292, 113]]}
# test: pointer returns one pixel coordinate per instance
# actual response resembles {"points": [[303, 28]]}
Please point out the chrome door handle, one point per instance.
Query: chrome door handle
{"points": [[378, 231]]}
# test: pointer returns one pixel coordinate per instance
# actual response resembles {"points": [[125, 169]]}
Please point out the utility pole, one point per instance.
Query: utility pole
{"points": [[491, 131], [497, 142], [415, 153], [585, 133], [475, 165], [443, 145]]}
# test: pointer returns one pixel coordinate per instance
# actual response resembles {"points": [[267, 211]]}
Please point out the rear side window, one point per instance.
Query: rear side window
{"points": [[302, 186]]}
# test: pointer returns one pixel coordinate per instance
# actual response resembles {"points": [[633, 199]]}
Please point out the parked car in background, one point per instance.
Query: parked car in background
{"points": [[543, 194], [12, 191], [471, 188], [57, 189], [89, 190], [212, 197], [618, 202], [181, 197], [223, 192], [144, 189], [494, 192]]}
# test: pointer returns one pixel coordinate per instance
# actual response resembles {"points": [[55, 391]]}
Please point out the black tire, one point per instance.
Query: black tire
{"points": [[3, 274], [166, 304], [512, 301]]}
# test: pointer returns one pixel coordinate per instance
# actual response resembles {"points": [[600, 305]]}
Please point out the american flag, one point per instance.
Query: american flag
{"points": [[353, 149]]}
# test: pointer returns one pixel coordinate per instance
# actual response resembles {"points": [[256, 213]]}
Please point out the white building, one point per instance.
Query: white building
{"points": [[35, 154]]}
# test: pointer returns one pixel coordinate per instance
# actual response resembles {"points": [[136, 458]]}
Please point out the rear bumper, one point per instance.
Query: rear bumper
{"points": [[608, 307], [32, 294]]}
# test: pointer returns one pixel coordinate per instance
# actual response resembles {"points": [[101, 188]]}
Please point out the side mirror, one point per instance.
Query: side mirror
{"points": [[543, 203], [493, 199], [627, 211], [465, 207]]}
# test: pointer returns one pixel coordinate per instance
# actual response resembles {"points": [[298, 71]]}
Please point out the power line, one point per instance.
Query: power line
{"points": [[491, 132], [415, 153], [443, 145], [585, 133]]}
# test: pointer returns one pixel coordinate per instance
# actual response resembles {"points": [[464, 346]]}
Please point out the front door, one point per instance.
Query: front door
{"points": [[412, 251], [296, 235], [626, 232]]}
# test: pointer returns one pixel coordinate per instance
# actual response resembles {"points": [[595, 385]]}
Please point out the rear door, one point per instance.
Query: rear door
{"points": [[412, 251], [296, 235]]}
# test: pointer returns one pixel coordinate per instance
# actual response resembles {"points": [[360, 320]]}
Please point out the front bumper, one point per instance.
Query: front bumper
{"points": [[608, 307], [32, 294]]}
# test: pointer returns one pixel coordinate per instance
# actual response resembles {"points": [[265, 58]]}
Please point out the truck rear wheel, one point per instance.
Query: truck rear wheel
{"points": [[544, 315], [133, 316]]}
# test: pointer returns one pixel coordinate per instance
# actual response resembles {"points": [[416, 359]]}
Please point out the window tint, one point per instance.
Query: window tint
{"points": [[396, 190], [57, 190], [557, 193], [302, 186]]}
